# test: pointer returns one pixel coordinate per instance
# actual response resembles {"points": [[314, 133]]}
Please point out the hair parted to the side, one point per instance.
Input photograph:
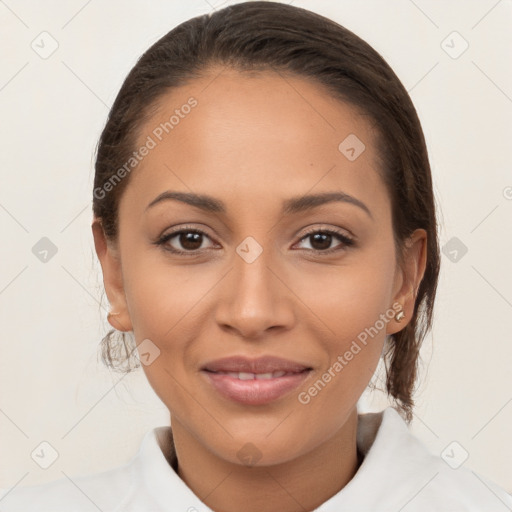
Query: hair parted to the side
{"points": [[261, 35]]}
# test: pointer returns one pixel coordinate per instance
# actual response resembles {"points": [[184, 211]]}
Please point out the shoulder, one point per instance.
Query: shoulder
{"points": [[461, 489], [406, 476], [429, 482], [101, 491]]}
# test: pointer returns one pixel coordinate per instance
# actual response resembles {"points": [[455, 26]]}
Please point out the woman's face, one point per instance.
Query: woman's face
{"points": [[257, 281]]}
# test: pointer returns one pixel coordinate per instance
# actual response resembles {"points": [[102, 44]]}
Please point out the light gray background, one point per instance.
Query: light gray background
{"points": [[54, 389]]}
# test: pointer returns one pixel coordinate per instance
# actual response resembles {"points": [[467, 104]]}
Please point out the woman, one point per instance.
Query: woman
{"points": [[265, 222]]}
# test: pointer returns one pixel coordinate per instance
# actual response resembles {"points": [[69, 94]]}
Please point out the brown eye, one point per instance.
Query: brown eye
{"points": [[184, 241], [321, 240], [189, 240]]}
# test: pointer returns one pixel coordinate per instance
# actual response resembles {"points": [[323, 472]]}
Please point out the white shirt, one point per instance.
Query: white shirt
{"points": [[398, 474]]}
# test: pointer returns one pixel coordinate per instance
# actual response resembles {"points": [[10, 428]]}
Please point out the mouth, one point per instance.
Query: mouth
{"points": [[257, 376], [254, 381], [259, 366]]}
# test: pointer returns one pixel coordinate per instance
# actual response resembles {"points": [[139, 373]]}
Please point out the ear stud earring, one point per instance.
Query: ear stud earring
{"points": [[400, 316]]}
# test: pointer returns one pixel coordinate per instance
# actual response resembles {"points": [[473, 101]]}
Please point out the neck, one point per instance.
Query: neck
{"points": [[300, 484]]}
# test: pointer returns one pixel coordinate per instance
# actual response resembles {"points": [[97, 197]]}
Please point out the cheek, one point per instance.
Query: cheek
{"points": [[161, 299], [353, 311], [354, 303], [351, 297], [160, 294], [166, 303]]}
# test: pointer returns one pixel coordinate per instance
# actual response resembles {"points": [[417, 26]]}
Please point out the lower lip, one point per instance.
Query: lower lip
{"points": [[255, 392]]}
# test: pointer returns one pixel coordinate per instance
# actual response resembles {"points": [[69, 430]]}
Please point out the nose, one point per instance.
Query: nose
{"points": [[255, 298]]}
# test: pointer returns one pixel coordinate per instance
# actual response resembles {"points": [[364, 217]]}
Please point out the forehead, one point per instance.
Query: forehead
{"points": [[253, 137]]}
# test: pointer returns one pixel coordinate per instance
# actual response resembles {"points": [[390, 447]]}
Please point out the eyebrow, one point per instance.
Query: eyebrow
{"points": [[294, 205]]}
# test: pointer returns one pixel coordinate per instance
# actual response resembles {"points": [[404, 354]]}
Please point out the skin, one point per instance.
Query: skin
{"points": [[253, 141]]}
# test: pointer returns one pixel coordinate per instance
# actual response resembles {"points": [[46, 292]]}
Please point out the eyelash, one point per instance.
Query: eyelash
{"points": [[346, 240]]}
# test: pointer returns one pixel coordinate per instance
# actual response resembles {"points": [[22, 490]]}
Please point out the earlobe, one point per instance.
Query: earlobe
{"points": [[107, 253], [400, 316], [410, 277], [113, 320]]}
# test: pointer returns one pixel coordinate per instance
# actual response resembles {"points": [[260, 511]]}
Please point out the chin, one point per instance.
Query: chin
{"points": [[258, 447]]}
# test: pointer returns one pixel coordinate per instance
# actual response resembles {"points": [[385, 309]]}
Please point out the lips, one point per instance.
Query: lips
{"points": [[254, 381], [252, 376], [261, 365]]}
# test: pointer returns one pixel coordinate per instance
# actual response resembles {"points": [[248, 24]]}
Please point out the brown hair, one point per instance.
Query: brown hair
{"points": [[263, 35]]}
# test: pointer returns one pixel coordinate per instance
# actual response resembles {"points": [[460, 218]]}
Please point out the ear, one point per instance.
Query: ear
{"points": [[112, 278], [408, 278]]}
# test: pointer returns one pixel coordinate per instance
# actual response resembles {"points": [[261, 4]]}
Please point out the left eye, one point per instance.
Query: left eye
{"points": [[322, 239], [190, 240]]}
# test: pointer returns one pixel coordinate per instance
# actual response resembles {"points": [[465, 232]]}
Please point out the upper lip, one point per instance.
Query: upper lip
{"points": [[264, 364]]}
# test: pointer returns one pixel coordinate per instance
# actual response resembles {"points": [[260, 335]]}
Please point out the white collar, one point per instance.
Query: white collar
{"points": [[384, 431], [398, 472]]}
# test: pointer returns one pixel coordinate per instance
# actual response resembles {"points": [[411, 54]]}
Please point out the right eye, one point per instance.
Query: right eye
{"points": [[190, 239]]}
